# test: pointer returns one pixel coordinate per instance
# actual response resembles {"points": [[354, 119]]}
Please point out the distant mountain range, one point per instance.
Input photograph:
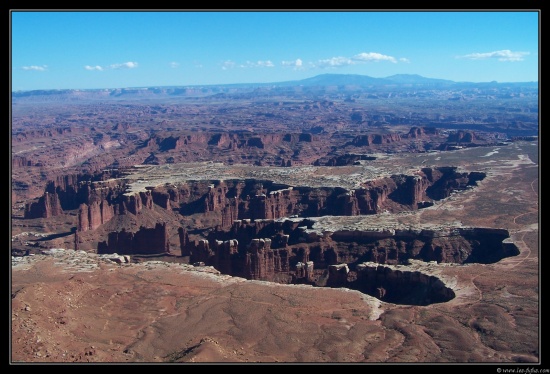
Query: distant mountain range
{"points": [[365, 80], [350, 81]]}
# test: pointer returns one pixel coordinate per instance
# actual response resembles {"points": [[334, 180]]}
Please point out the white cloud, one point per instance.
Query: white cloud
{"points": [[503, 55], [404, 59], [125, 65], [35, 67], [373, 56], [334, 62], [267, 64], [360, 58], [257, 64], [228, 65], [248, 64], [97, 67], [296, 64], [174, 65]]}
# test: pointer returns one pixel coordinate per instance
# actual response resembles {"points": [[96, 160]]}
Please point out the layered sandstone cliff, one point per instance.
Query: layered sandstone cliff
{"points": [[144, 241]]}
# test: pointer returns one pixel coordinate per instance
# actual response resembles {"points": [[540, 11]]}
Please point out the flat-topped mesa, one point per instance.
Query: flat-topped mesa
{"points": [[262, 199], [144, 241], [370, 139], [419, 132], [234, 199], [225, 141], [461, 136]]}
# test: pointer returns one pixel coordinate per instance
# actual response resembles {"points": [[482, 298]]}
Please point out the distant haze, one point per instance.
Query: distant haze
{"points": [[107, 49]]}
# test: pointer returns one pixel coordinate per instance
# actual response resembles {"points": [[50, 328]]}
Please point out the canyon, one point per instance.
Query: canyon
{"points": [[275, 225]]}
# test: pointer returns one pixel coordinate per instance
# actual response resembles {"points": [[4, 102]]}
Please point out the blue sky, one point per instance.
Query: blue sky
{"points": [[107, 49]]}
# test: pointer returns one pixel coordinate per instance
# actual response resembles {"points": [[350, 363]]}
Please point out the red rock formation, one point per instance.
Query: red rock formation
{"points": [[372, 197], [94, 215], [200, 252], [131, 203], [107, 211], [350, 204], [337, 275], [226, 256], [304, 272], [279, 204], [367, 140], [215, 198], [83, 221], [161, 198], [409, 190], [245, 230], [145, 241], [20, 162], [259, 263], [419, 132], [146, 199], [90, 217], [47, 206], [462, 136], [184, 242]]}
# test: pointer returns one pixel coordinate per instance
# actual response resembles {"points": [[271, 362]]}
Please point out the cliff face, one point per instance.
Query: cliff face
{"points": [[461, 136], [282, 251], [367, 140], [400, 287], [184, 241], [145, 241], [255, 260], [260, 200], [463, 245], [47, 206], [96, 214], [229, 141], [75, 189], [134, 203], [230, 200], [419, 132], [21, 161], [445, 180], [260, 263], [98, 198]]}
